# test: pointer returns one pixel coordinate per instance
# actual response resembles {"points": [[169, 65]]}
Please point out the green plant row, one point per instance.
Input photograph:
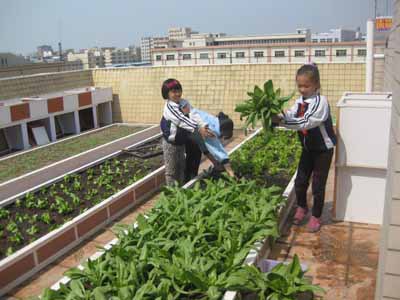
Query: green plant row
{"points": [[45, 210], [191, 245], [270, 159]]}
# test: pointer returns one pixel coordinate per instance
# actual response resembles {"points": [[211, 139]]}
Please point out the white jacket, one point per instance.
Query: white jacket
{"points": [[176, 118], [315, 127], [316, 113]]}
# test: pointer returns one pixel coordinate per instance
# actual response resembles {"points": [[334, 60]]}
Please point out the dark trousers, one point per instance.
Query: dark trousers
{"points": [[193, 158], [316, 164]]}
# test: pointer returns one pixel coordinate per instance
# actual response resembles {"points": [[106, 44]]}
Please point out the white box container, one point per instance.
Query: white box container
{"points": [[360, 194], [363, 129]]}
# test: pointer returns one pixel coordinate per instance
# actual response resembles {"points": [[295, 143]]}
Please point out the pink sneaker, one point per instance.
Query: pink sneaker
{"points": [[314, 224], [300, 215]]}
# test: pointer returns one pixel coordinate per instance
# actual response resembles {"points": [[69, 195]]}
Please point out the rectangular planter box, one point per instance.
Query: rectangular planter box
{"points": [[27, 261], [254, 256]]}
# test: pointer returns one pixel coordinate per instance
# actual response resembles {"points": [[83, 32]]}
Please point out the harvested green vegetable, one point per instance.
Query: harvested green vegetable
{"points": [[263, 104]]}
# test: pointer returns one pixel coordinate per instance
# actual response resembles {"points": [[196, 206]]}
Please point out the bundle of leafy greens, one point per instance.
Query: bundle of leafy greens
{"points": [[262, 105]]}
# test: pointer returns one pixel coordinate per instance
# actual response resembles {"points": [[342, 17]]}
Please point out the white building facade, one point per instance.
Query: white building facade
{"points": [[276, 53], [180, 37], [301, 36], [335, 36], [179, 33], [146, 44], [86, 57]]}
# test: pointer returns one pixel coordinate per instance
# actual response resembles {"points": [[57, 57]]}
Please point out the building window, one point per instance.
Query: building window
{"points": [[279, 53], [341, 52], [299, 53], [336, 40], [170, 57], [319, 53], [239, 54], [329, 40], [322, 40], [203, 55], [158, 57], [315, 40], [221, 55], [187, 56], [259, 54], [362, 52]]}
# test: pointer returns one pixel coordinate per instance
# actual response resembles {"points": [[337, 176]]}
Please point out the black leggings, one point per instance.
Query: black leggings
{"points": [[317, 164], [193, 158]]}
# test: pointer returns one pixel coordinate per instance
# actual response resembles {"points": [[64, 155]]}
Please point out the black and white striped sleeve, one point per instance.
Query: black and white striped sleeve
{"points": [[175, 115], [317, 112]]}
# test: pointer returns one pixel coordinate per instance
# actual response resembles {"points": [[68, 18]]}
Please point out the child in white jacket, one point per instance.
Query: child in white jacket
{"points": [[183, 140], [310, 116]]}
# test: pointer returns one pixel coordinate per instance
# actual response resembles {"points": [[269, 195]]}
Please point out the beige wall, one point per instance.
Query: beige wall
{"points": [[137, 93], [388, 283], [137, 96], [43, 83]]}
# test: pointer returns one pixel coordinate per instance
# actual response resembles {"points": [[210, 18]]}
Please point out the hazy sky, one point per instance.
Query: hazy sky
{"points": [[25, 24]]}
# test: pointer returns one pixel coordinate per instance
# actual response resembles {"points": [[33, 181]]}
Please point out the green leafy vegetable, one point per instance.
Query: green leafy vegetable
{"points": [[262, 105]]}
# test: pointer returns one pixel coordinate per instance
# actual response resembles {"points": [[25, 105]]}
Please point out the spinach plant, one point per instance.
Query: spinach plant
{"points": [[262, 105]]}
